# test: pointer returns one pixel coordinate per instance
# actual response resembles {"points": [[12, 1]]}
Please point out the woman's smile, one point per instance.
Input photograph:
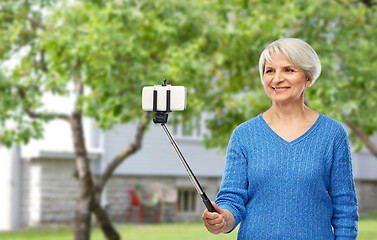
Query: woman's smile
{"points": [[280, 89]]}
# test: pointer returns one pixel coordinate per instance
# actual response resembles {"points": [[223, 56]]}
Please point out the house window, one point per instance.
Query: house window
{"points": [[192, 129], [187, 200], [187, 129]]}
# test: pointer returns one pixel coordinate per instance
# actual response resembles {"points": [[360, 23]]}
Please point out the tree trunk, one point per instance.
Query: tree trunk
{"points": [[101, 215], [104, 222], [363, 137], [85, 196]]}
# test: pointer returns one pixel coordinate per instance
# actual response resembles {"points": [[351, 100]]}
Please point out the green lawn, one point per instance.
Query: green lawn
{"points": [[182, 231]]}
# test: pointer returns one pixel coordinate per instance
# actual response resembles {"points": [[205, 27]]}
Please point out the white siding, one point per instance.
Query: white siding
{"points": [[157, 156]]}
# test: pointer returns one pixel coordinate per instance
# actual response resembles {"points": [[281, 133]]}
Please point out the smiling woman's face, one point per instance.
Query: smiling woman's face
{"points": [[283, 82]]}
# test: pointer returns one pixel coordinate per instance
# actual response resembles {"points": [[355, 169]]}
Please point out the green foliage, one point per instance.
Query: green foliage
{"points": [[347, 87], [343, 34], [212, 47]]}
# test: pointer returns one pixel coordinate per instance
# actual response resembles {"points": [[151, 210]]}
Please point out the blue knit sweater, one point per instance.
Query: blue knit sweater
{"points": [[302, 189]]}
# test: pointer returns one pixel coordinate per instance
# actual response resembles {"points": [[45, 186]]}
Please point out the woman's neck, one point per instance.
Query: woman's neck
{"points": [[288, 113]]}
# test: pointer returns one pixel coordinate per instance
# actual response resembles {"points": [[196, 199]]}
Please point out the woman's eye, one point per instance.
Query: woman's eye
{"points": [[289, 70], [268, 71]]}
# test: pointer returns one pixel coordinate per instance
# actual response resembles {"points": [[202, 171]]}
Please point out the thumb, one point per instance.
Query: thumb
{"points": [[217, 208]]}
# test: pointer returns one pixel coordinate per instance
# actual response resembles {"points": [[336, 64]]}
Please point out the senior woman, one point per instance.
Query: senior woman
{"points": [[288, 171]]}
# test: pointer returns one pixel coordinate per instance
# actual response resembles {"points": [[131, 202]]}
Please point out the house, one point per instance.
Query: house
{"points": [[46, 188], [38, 186]]}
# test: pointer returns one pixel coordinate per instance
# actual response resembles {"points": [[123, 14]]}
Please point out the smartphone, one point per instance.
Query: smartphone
{"points": [[164, 98]]}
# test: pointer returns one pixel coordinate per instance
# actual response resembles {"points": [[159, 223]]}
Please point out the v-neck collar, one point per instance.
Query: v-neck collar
{"points": [[301, 137]]}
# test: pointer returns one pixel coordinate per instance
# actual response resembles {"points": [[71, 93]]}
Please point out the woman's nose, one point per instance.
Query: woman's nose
{"points": [[278, 77]]}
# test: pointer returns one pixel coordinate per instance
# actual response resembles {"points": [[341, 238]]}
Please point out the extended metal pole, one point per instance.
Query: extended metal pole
{"points": [[193, 179]]}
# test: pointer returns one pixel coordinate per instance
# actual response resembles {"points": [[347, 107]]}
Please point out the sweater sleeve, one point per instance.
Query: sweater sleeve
{"points": [[233, 191], [342, 192]]}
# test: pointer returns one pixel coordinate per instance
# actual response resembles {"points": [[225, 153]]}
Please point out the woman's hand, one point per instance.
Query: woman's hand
{"points": [[221, 221]]}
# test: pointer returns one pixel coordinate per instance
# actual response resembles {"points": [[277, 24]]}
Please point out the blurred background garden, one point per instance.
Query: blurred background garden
{"points": [[80, 159]]}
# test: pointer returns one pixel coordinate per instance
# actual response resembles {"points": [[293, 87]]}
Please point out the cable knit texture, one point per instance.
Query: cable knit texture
{"points": [[302, 189]]}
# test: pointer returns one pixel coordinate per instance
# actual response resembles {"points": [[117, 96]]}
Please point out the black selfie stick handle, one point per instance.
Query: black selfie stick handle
{"points": [[207, 203]]}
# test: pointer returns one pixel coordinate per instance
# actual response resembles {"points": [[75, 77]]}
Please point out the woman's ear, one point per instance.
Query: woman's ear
{"points": [[308, 83]]}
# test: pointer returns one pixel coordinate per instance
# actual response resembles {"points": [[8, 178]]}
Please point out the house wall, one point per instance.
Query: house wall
{"points": [[366, 191], [10, 188], [365, 165], [365, 174], [119, 200], [157, 156], [50, 194], [50, 191]]}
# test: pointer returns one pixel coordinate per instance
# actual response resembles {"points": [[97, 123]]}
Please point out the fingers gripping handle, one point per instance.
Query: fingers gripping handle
{"points": [[207, 202]]}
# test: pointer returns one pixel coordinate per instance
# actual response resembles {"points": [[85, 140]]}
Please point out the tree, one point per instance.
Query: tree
{"points": [[100, 53]]}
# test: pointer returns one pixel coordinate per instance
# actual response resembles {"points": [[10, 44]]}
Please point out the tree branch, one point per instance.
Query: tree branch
{"points": [[363, 137], [104, 222], [36, 23], [344, 4], [33, 21], [348, 4], [368, 3], [36, 115], [43, 60], [131, 149], [79, 87]]}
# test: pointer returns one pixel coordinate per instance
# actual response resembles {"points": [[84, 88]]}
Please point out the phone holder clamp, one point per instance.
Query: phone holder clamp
{"points": [[161, 116]]}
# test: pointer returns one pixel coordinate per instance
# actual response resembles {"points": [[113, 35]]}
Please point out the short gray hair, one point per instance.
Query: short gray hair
{"points": [[299, 53]]}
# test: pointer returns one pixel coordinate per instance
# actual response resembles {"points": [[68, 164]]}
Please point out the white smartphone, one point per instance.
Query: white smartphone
{"points": [[164, 98]]}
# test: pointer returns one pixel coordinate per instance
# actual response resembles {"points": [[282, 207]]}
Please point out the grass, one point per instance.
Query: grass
{"points": [[182, 231], [368, 226]]}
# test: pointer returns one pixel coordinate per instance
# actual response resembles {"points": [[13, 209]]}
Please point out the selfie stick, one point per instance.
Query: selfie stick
{"points": [[161, 118]]}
